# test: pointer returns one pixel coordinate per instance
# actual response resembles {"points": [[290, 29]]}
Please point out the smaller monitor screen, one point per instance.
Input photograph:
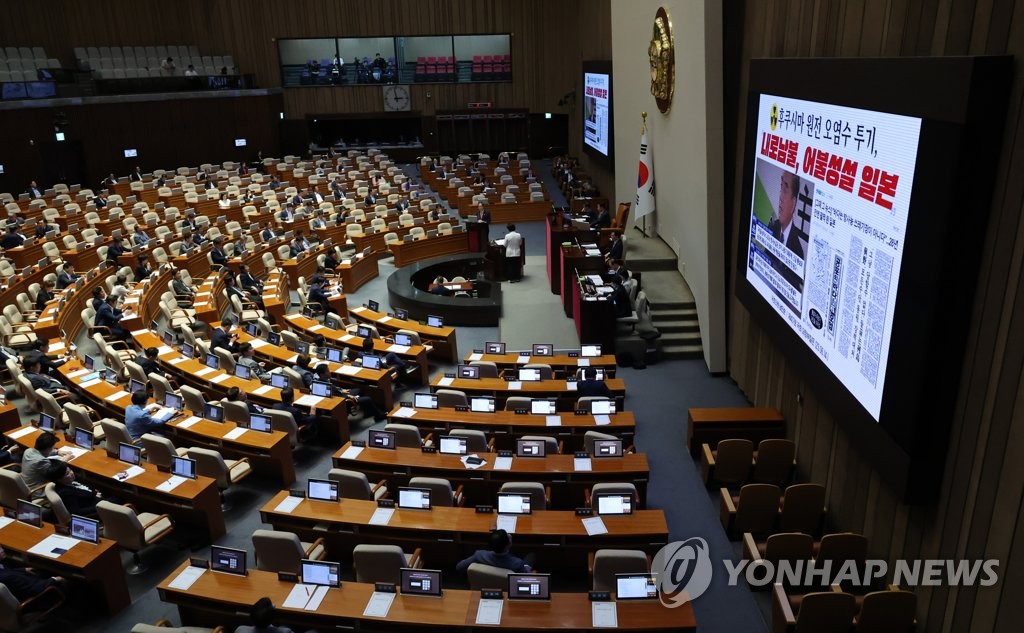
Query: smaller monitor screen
{"points": [[240, 142], [590, 351], [403, 339], [279, 380], [607, 448], [420, 582], [168, 338], [468, 371], [29, 513], [323, 573], [260, 422], [364, 332], [424, 401], [414, 498], [543, 349], [243, 371], [614, 504], [131, 153], [529, 375], [251, 329], [46, 422], [172, 401], [302, 347], [513, 503], [89, 362], [83, 439], [135, 385], [373, 305], [213, 412], [183, 467], [320, 388], [602, 407], [529, 586], [401, 314], [274, 338], [187, 351], [451, 445], [85, 529], [111, 375], [129, 453], [335, 355], [481, 404], [371, 362], [530, 448], [212, 361], [542, 407], [322, 490], [636, 587], [434, 321], [227, 560], [380, 439], [331, 323]]}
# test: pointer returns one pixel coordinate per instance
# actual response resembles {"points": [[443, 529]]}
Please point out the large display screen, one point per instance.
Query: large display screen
{"points": [[828, 220], [596, 110]]}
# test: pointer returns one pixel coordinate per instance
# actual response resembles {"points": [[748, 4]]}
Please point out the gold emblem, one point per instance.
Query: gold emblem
{"points": [[662, 55]]}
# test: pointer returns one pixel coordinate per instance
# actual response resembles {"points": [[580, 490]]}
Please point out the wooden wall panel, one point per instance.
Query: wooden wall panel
{"points": [[980, 513]]}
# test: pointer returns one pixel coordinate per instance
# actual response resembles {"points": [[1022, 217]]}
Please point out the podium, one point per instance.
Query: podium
{"points": [[478, 233]]}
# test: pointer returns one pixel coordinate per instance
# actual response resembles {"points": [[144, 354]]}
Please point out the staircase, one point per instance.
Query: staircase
{"points": [[680, 331]]}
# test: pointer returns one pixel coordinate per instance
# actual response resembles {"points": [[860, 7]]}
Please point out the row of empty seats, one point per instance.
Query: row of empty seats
{"points": [[145, 52], [29, 64]]}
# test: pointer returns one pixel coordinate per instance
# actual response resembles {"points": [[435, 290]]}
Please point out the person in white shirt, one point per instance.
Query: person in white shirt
{"points": [[224, 202], [191, 71], [513, 252]]}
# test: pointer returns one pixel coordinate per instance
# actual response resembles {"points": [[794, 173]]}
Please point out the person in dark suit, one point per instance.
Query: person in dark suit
{"points": [[34, 191], [620, 297], [136, 176], [268, 233], [41, 229], [217, 254], [288, 404], [370, 199], [142, 268], [67, 276], [13, 238], [318, 295], [190, 220], [209, 185], [147, 361], [603, 220], [100, 201], [106, 315], [110, 180], [25, 584], [402, 205], [222, 336], [589, 385], [44, 296], [190, 242], [248, 282], [287, 215], [77, 498], [615, 248], [185, 295], [782, 227], [115, 250], [33, 364], [330, 263]]}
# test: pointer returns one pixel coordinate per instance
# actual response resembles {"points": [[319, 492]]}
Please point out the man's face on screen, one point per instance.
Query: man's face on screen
{"points": [[787, 201]]}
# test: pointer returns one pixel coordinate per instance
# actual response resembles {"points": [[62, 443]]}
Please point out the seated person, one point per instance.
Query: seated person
{"points": [[45, 295], [218, 254], [499, 555], [67, 276], [318, 295], [330, 263], [26, 584], [438, 288], [137, 418], [234, 394], [302, 367], [246, 358], [288, 404], [35, 463], [262, 616], [299, 244], [591, 386], [115, 250], [604, 219], [77, 497], [120, 289], [185, 294], [140, 237], [39, 380], [366, 403], [147, 361], [223, 338], [248, 281], [13, 239], [391, 360], [106, 315], [48, 362], [620, 296]]}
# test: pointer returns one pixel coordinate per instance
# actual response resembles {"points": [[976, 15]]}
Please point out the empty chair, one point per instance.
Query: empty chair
{"points": [[79, 418], [441, 493], [773, 461], [838, 549], [116, 433], [791, 547], [381, 563], [803, 508], [134, 532], [225, 472], [160, 451], [451, 398], [728, 464], [488, 369], [517, 403], [606, 563], [890, 611], [476, 440], [754, 510], [354, 485], [194, 400], [161, 386], [13, 487], [283, 551], [540, 495], [546, 372], [821, 612]]}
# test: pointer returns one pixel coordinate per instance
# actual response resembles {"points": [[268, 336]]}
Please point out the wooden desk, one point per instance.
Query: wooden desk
{"points": [[558, 362], [499, 388], [576, 262], [481, 484], [556, 236], [593, 316], [224, 599], [98, 565], [440, 341], [195, 503], [356, 271], [710, 426], [506, 426], [453, 533], [409, 252], [523, 210]]}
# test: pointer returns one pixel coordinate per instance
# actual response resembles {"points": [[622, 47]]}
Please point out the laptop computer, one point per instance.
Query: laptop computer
{"points": [[481, 404]]}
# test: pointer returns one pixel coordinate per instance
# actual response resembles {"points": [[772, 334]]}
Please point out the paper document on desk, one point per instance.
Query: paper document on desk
{"points": [[259, 391], [381, 516], [128, 473], [515, 385], [25, 430], [593, 252], [74, 451], [299, 596], [91, 382], [164, 349], [465, 462], [316, 328], [5, 521], [604, 615], [351, 452], [489, 611], [379, 604], [288, 504], [164, 414], [171, 484], [117, 395], [219, 378], [602, 419], [55, 348], [187, 422], [398, 349], [475, 356], [445, 381], [257, 343], [507, 522], [349, 370], [309, 401], [552, 420], [595, 526], [79, 372], [503, 463], [582, 464], [570, 385], [357, 309], [204, 371], [187, 578], [176, 361], [235, 433], [404, 412], [523, 360], [53, 546], [385, 319], [318, 597], [595, 279], [583, 362], [346, 338], [139, 332]]}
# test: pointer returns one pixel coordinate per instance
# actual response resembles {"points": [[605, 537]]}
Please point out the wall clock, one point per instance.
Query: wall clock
{"points": [[396, 98]]}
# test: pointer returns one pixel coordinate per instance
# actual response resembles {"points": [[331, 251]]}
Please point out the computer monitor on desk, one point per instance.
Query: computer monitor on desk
{"points": [[607, 448], [84, 439], [227, 560], [322, 573], [529, 586], [469, 372], [434, 321], [530, 448], [370, 361], [404, 340], [542, 407], [514, 503], [85, 529], [494, 348], [322, 490], [425, 400], [129, 453], [529, 375], [29, 513], [590, 351], [420, 582], [636, 587], [543, 349], [414, 498], [380, 439], [602, 407], [614, 504], [452, 445], [481, 404], [183, 467]]}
